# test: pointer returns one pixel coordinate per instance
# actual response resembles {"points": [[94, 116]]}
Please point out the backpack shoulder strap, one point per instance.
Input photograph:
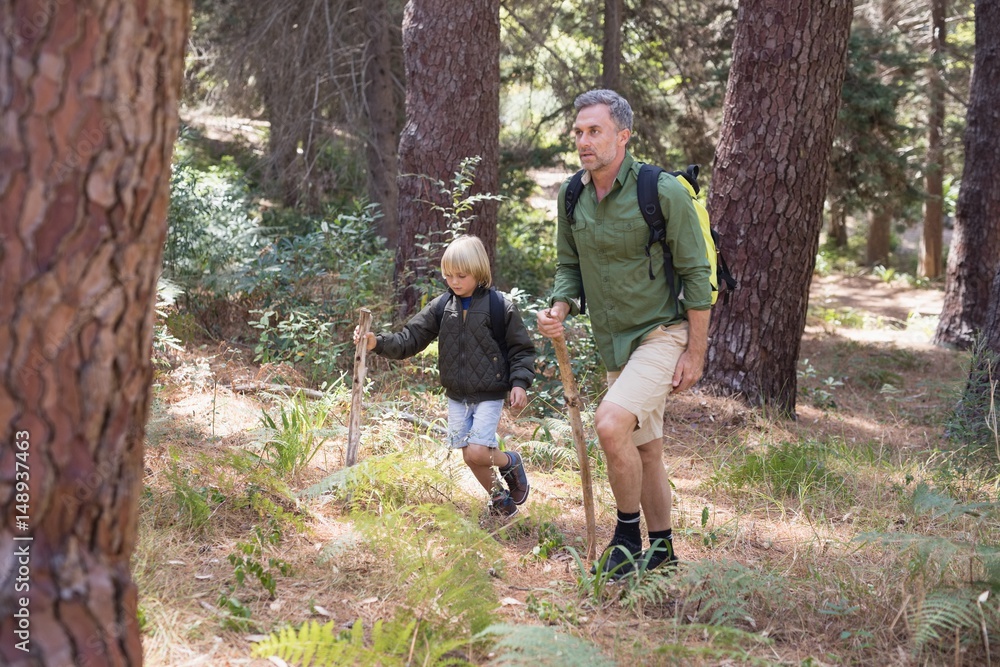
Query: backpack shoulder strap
{"points": [[573, 191], [439, 307], [649, 203], [690, 175], [648, 193], [498, 319]]}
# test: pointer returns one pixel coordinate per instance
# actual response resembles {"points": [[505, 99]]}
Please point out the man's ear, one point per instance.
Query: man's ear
{"points": [[624, 136]]}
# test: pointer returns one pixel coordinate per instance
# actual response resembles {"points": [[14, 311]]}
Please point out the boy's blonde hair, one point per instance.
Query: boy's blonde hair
{"points": [[467, 254]]}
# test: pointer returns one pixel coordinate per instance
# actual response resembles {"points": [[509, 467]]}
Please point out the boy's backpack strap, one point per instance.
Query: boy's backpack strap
{"points": [[648, 194], [440, 306], [573, 192], [498, 317]]}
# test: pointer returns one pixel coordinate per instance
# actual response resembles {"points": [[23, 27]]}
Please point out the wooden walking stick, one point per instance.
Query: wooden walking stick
{"points": [[573, 404], [358, 386]]}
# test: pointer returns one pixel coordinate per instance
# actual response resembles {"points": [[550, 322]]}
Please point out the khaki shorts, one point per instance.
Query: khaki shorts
{"points": [[643, 385]]}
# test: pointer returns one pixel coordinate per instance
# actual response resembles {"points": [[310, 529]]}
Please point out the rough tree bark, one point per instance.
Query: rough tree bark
{"points": [[611, 58], [381, 108], [931, 242], [974, 256], [768, 188], [88, 98], [451, 49]]}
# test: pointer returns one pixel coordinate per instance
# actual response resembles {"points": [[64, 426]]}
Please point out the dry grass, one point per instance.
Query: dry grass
{"points": [[813, 591]]}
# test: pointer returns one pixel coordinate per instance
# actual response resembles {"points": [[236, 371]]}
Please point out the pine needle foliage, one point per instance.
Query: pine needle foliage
{"points": [[387, 483], [442, 563], [542, 646], [389, 644]]}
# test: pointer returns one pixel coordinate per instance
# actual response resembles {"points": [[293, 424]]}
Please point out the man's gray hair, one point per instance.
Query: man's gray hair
{"points": [[621, 111]]}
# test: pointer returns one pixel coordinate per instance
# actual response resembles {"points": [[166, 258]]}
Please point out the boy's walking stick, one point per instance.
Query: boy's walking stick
{"points": [[358, 387], [573, 403]]}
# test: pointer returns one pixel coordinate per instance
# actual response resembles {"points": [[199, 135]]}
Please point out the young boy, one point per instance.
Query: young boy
{"points": [[474, 371]]}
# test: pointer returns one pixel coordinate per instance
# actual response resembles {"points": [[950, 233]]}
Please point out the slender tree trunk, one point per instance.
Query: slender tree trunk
{"points": [[381, 108], [838, 227], [451, 49], [879, 236], [768, 188], [931, 244], [611, 71], [89, 91], [974, 256]]}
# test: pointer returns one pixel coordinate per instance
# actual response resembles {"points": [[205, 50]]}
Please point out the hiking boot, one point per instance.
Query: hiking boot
{"points": [[517, 482], [502, 506], [660, 552], [621, 558]]}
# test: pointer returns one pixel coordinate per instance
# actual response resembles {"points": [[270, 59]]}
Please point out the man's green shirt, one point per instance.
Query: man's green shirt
{"points": [[606, 246]]}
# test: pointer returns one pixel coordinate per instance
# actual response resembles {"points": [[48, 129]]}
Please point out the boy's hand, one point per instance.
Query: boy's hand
{"points": [[518, 399], [369, 337]]}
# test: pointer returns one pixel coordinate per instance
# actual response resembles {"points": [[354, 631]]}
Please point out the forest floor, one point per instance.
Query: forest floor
{"points": [[872, 388]]}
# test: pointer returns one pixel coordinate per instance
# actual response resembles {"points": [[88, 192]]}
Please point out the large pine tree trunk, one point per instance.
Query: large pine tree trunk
{"points": [[451, 49], [975, 245], [768, 188], [611, 58], [931, 243], [382, 112], [88, 94]]}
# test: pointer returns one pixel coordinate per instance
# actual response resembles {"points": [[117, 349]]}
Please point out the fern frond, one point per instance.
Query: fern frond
{"points": [[942, 614], [312, 644], [387, 482], [548, 455], [557, 428], [725, 646], [723, 592], [940, 506], [650, 587], [315, 645], [541, 646], [934, 553], [335, 480], [441, 559]]}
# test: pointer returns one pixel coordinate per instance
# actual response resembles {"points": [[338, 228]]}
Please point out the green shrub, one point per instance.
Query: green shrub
{"points": [[212, 229]]}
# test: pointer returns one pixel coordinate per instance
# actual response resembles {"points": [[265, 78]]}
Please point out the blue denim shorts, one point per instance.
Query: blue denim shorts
{"points": [[473, 423]]}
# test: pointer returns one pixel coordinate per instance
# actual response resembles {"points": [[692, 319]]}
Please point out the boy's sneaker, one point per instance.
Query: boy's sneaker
{"points": [[660, 552], [618, 562], [515, 478], [502, 506]]}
